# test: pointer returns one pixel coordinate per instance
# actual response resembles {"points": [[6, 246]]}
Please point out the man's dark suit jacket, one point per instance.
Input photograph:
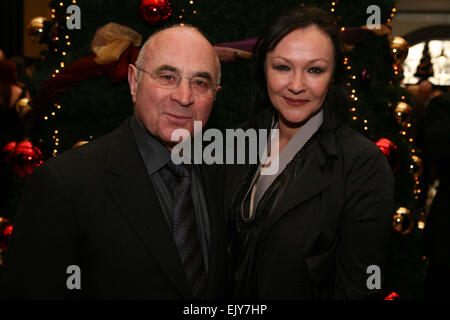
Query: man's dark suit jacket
{"points": [[95, 207]]}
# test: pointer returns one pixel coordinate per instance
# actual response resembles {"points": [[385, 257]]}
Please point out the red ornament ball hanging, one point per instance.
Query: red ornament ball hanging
{"points": [[5, 233], [155, 11], [390, 150], [9, 151], [26, 158]]}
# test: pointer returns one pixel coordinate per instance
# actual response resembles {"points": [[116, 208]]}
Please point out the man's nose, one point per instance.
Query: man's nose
{"points": [[297, 83], [183, 93]]}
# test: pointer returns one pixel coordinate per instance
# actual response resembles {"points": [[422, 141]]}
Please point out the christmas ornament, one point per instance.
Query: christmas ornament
{"points": [[26, 158], [403, 113], [391, 152], [79, 144], [403, 221], [9, 151], [5, 233], [399, 49], [417, 166], [111, 41], [36, 29], [392, 296], [23, 106], [154, 11]]}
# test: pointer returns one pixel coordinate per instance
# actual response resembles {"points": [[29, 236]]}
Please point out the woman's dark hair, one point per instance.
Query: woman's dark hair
{"points": [[279, 27]]}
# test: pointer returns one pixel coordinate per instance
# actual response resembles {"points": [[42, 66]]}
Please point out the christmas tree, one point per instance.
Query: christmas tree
{"points": [[75, 99]]}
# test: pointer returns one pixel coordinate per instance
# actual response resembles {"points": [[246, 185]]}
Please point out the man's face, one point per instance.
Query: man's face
{"points": [[173, 53]]}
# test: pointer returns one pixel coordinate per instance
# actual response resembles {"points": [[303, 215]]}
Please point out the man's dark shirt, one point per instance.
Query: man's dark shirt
{"points": [[156, 156]]}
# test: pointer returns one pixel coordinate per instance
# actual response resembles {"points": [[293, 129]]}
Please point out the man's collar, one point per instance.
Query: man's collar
{"points": [[153, 152]]}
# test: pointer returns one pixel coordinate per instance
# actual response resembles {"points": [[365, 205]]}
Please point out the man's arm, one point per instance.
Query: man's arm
{"points": [[43, 241]]}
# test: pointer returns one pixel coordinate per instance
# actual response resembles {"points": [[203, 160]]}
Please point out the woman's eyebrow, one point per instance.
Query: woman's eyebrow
{"points": [[311, 61]]}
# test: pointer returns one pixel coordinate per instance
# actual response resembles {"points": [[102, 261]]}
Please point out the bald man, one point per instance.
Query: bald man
{"points": [[107, 220]]}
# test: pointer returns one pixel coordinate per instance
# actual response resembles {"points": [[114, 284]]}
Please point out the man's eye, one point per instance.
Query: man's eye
{"points": [[167, 77], [315, 70], [199, 83], [282, 68]]}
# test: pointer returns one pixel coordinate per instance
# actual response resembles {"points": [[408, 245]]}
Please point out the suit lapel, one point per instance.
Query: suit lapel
{"points": [[127, 181]]}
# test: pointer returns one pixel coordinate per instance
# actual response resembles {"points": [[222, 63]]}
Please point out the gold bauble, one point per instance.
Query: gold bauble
{"points": [[23, 106], [36, 28], [399, 49], [79, 144], [402, 221], [403, 113], [417, 166]]}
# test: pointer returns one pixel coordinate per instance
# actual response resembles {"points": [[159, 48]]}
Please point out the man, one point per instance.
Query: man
{"points": [[436, 235], [117, 213]]}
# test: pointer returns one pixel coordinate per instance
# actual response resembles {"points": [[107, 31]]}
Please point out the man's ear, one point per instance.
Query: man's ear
{"points": [[133, 81], [217, 91]]}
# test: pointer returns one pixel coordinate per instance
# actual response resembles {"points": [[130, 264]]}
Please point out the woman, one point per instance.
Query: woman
{"points": [[312, 230]]}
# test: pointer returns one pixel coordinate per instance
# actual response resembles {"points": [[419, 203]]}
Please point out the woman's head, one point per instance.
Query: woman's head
{"points": [[299, 64]]}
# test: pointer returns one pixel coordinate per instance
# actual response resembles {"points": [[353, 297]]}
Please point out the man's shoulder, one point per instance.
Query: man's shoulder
{"points": [[89, 156]]}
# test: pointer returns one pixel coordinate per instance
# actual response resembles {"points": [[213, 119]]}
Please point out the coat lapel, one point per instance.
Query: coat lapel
{"points": [[310, 181], [127, 181], [315, 176]]}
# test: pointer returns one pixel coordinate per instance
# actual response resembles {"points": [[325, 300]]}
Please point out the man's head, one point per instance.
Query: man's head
{"points": [[425, 89], [174, 81]]}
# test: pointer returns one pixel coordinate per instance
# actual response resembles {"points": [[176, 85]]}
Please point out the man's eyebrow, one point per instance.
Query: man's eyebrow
{"points": [[166, 67], [203, 74]]}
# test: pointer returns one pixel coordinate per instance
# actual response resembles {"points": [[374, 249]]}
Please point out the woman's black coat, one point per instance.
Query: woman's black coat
{"points": [[329, 232]]}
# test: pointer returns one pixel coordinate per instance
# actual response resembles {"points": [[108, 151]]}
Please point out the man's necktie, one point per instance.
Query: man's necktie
{"points": [[185, 231]]}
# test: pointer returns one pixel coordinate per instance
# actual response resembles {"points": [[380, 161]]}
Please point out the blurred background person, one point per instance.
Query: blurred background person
{"points": [[436, 235]]}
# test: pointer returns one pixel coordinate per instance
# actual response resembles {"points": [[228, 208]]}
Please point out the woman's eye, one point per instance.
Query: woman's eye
{"points": [[315, 70], [282, 68]]}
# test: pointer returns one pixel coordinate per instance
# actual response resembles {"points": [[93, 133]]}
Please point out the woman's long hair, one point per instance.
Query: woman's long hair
{"points": [[279, 27]]}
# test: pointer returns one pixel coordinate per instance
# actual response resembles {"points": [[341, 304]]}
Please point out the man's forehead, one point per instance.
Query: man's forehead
{"points": [[184, 59]]}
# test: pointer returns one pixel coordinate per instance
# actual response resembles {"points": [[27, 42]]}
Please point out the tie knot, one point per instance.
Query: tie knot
{"points": [[179, 170]]}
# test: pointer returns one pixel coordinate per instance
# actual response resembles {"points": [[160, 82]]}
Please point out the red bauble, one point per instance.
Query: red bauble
{"points": [[390, 150], [392, 296], [26, 158], [9, 151], [5, 233], [154, 11]]}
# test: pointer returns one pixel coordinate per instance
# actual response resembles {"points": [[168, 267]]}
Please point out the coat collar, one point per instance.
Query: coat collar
{"points": [[315, 176], [129, 185]]}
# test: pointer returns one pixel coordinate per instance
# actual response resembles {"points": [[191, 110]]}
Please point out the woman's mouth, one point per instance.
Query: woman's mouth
{"points": [[295, 102]]}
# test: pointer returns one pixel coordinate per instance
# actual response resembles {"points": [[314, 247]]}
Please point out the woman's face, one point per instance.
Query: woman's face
{"points": [[299, 71]]}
